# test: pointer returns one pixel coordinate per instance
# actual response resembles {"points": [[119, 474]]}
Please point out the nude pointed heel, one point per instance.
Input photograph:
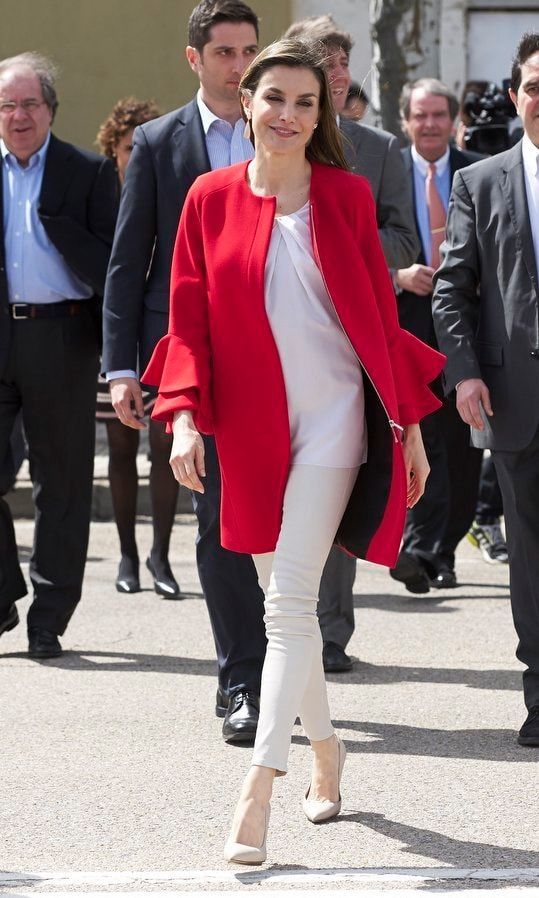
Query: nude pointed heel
{"points": [[236, 853], [317, 811]]}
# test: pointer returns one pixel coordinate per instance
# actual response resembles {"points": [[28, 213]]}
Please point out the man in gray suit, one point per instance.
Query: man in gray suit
{"points": [[486, 317], [375, 155]]}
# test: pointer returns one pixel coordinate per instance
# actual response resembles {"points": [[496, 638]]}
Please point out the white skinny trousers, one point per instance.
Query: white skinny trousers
{"points": [[293, 679]]}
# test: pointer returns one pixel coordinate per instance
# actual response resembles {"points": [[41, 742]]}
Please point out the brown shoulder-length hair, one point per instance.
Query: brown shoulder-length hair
{"points": [[326, 143], [126, 115]]}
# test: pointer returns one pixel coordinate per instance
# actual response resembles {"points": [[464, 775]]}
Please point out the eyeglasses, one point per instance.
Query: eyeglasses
{"points": [[8, 107]]}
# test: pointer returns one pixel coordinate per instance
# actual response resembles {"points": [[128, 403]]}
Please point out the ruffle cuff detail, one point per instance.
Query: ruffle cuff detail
{"points": [[182, 385], [415, 365]]}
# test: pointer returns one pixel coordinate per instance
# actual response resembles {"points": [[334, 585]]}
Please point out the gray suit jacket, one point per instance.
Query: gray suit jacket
{"points": [[486, 297], [376, 155], [169, 153]]}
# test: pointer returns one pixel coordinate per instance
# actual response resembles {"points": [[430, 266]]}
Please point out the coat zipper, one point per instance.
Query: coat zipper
{"points": [[396, 429]]}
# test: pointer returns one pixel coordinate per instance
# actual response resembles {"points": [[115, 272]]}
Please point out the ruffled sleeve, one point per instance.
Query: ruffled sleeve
{"points": [[414, 364], [181, 362]]}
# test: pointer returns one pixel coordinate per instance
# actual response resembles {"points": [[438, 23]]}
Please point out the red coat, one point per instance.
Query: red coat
{"points": [[220, 360]]}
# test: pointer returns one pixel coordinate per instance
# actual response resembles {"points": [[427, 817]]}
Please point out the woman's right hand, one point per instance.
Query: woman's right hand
{"points": [[187, 455]]}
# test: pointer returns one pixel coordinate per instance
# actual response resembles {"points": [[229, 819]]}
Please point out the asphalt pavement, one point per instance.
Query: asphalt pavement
{"points": [[115, 776]]}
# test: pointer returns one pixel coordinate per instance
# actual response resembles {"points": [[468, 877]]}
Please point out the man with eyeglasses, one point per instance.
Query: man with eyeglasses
{"points": [[58, 207]]}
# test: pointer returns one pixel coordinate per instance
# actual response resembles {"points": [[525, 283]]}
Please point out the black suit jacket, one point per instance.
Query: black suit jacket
{"points": [[169, 153], [415, 312], [77, 205]]}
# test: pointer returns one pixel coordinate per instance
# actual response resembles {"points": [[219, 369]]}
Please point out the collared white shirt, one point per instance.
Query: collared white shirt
{"points": [[36, 272], [530, 160], [225, 142], [443, 183]]}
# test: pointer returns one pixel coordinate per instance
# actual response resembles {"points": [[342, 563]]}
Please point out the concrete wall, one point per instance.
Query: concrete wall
{"points": [[107, 49]]}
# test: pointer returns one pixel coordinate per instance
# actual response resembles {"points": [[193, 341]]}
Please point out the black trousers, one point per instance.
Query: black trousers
{"points": [[518, 475], [442, 517], [51, 375], [229, 580], [489, 501]]}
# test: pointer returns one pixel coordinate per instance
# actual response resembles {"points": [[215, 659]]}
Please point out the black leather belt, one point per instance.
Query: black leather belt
{"points": [[66, 309]]}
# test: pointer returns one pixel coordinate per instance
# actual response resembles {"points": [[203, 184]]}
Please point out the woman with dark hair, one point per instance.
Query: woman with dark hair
{"points": [[284, 342], [115, 138]]}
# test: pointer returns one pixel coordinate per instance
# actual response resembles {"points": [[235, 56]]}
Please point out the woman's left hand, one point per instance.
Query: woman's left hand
{"points": [[417, 466]]}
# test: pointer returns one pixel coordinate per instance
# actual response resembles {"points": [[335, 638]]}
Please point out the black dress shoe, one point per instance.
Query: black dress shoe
{"points": [[221, 702], [445, 578], [241, 718], [335, 659], [11, 619], [529, 731], [411, 572], [164, 583], [43, 644]]}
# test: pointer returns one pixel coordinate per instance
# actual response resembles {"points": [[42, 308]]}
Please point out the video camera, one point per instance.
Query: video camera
{"points": [[486, 111]]}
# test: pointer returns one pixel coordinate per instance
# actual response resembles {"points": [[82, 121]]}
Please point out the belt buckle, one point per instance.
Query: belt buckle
{"points": [[19, 305]]}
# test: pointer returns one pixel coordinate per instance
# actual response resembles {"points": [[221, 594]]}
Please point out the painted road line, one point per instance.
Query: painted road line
{"points": [[506, 892], [55, 880]]}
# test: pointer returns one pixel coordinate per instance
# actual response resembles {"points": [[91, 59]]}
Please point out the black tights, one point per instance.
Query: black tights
{"points": [[123, 446]]}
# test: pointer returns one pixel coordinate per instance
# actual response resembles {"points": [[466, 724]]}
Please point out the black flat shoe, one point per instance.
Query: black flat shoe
{"points": [[241, 718], [165, 585], [43, 643], [11, 619], [445, 578], [127, 580], [335, 659], [529, 731]]}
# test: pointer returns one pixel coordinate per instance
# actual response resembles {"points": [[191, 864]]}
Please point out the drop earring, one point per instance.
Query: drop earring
{"points": [[247, 129]]}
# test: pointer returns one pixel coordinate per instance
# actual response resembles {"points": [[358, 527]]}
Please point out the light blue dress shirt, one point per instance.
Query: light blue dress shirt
{"points": [[225, 142], [443, 183], [226, 145], [36, 272]]}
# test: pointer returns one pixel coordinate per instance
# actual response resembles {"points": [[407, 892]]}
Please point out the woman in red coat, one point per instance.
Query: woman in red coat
{"points": [[284, 343]]}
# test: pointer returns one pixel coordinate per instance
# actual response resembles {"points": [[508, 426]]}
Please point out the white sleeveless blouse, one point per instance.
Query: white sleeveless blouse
{"points": [[323, 377]]}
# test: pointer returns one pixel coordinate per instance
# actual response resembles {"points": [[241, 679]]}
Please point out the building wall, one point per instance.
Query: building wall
{"points": [[108, 49]]}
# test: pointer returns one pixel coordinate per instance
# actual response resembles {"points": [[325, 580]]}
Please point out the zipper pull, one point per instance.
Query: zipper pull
{"points": [[397, 430]]}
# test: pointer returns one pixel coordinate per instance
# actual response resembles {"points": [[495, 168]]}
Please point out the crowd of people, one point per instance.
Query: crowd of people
{"points": [[228, 273]]}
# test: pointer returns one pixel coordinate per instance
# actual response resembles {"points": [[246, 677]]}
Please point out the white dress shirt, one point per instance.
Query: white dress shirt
{"points": [[530, 159]]}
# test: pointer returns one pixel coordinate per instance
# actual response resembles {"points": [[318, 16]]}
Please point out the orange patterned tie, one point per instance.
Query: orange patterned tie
{"points": [[437, 216]]}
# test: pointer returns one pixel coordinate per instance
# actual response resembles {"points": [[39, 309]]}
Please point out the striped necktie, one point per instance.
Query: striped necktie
{"points": [[437, 216]]}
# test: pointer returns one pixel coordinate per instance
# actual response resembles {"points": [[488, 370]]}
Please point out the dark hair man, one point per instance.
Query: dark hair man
{"points": [[375, 155], [58, 208], [442, 518], [168, 155], [486, 318]]}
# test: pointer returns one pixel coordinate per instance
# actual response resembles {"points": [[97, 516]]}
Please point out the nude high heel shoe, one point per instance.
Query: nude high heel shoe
{"points": [[317, 811], [236, 853]]}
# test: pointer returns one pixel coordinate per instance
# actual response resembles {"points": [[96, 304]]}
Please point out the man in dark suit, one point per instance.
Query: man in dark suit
{"points": [[486, 318], [443, 516], [58, 208], [375, 155], [168, 154]]}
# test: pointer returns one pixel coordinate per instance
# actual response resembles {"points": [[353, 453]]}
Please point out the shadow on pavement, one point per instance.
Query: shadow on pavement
{"points": [[387, 675], [432, 602], [400, 739], [455, 852], [124, 661]]}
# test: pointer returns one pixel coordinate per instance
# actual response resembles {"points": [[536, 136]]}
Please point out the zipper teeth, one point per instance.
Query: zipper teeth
{"points": [[393, 425]]}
